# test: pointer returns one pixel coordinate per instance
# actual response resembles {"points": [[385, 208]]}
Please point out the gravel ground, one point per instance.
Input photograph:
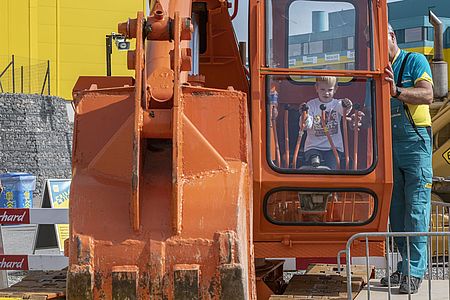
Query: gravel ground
{"points": [[439, 272]]}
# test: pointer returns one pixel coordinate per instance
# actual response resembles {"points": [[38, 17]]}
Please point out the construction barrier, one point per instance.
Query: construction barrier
{"points": [[33, 262], [15, 216], [28, 262]]}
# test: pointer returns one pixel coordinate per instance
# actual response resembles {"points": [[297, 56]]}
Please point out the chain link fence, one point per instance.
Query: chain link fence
{"points": [[22, 75]]}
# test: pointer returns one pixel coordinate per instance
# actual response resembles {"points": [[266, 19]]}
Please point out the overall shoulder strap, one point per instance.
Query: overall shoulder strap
{"points": [[405, 106], [402, 69]]}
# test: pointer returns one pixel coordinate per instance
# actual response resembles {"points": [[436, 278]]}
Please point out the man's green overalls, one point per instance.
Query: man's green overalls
{"points": [[412, 169]]}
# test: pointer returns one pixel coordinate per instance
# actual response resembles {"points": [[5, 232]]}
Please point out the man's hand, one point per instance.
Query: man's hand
{"points": [[421, 93], [391, 79]]}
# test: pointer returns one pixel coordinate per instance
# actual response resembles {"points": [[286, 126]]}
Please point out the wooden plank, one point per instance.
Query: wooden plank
{"points": [[332, 269], [38, 285], [321, 286], [324, 282]]}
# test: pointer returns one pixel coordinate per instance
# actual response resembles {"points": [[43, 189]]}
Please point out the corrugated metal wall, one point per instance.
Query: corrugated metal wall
{"points": [[71, 34]]}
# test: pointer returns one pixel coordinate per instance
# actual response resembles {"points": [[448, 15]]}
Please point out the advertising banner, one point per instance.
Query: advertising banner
{"points": [[56, 195]]}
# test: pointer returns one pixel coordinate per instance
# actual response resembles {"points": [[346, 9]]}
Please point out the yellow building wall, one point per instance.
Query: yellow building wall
{"points": [[70, 34]]}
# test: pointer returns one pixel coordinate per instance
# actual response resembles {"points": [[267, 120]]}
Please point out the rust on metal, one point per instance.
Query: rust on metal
{"points": [[125, 282], [80, 283], [169, 182], [159, 24], [186, 282], [135, 179], [129, 28]]}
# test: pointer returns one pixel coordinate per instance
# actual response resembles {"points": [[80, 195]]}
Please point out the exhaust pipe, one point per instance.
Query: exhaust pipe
{"points": [[438, 36], [438, 66]]}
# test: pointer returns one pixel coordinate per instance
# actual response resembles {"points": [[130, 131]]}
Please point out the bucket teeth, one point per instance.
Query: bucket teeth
{"points": [[186, 282], [80, 283], [125, 282], [231, 282]]}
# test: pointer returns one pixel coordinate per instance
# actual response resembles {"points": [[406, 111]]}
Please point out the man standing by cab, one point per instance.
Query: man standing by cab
{"points": [[411, 85]]}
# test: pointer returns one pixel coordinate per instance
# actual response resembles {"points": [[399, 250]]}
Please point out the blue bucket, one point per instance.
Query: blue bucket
{"points": [[17, 190]]}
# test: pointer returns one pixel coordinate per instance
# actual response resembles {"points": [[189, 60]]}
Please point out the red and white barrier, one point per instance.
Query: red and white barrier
{"points": [[33, 262], [15, 216]]}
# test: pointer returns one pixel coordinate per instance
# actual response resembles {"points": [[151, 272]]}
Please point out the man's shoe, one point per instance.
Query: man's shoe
{"points": [[407, 282], [395, 279]]}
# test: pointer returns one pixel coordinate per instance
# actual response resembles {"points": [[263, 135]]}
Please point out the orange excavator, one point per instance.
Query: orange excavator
{"points": [[184, 180]]}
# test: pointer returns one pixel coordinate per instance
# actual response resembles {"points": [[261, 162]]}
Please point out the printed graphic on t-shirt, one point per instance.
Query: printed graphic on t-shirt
{"points": [[331, 121]]}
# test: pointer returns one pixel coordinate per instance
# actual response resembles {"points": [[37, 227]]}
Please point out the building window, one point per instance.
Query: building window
{"points": [[334, 45], [316, 47], [413, 34], [447, 38], [295, 50], [351, 43], [429, 34], [400, 35], [305, 48], [350, 66]]}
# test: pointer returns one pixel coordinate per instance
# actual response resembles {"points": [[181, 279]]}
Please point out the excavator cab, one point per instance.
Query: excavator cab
{"points": [[190, 174], [299, 202], [303, 208]]}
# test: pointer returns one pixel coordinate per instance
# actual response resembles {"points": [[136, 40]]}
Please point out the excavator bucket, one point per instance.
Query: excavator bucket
{"points": [[160, 196]]}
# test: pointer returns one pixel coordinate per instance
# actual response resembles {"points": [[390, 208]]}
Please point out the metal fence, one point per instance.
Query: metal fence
{"points": [[438, 254], [22, 75]]}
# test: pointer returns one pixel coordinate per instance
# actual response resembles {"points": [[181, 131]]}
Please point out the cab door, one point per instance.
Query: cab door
{"points": [[308, 203]]}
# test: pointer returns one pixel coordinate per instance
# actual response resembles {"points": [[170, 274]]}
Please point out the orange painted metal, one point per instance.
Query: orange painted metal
{"points": [[160, 197], [169, 179], [220, 63], [308, 241], [137, 124]]}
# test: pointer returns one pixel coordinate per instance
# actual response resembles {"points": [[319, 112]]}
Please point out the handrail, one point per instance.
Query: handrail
{"points": [[306, 72], [235, 9], [367, 235]]}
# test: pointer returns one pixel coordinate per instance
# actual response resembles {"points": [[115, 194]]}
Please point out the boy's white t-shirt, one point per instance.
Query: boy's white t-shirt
{"points": [[316, 138]]}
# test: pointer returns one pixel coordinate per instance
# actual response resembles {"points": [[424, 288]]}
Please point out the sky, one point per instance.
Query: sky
{"points": [[241, 21]]}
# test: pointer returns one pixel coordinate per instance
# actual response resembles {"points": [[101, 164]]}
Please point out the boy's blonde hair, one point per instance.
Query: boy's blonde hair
{"points": [[328, 79]]}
